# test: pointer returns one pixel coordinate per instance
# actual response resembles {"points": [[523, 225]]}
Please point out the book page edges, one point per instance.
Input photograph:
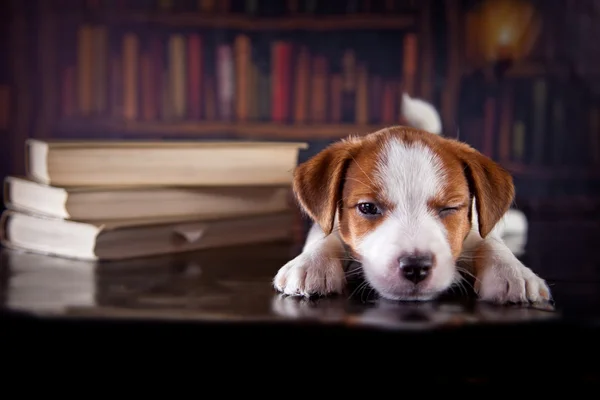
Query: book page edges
{"points": [[166, 144], [39, 149], [6, 191], [7, 242], [137, 188], [192, 232], [104, 226], [3, 222], [9, 181], [6, 214]]}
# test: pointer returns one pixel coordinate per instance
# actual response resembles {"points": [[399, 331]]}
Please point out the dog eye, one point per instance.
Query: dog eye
{"points": [[445, 211], [368, 209]]}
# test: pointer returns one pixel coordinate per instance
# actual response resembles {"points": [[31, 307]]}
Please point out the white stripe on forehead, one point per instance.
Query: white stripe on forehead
{"points": [[410, 174]]}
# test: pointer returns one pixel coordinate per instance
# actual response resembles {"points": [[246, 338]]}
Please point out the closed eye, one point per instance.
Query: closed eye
{"points": [[446, 211]]}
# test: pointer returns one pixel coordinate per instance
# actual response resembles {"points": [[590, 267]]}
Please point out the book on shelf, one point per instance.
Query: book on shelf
{"points": [[160, 163], [94, 203], [181, 75], [123, 239], [524, 123]]}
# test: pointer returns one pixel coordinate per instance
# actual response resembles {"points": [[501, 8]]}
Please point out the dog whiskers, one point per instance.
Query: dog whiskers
{"points": [[460, 284], [352, 274], [358, 288], [465, 271], [371, 290], [344, 259]]}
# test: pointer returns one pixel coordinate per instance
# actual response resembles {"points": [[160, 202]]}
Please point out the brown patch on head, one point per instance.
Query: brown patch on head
{"points": [[453, 202], [470, 175], [490, 184], [318, 182], [359, 186]]}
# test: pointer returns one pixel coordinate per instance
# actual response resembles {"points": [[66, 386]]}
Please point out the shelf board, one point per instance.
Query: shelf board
{"points": [[533, 69], [530, 69], [552, 172], [243, 22], [200, 129]]}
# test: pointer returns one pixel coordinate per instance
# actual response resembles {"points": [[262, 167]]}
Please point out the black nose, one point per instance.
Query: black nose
{"points": [[415, 268]]}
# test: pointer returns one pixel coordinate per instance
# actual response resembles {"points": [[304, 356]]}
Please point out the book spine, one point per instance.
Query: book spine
{"points": [[195, 73]]}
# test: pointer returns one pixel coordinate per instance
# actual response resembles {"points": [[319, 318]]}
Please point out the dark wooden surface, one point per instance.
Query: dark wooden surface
{"points": [[234, 283], [224, 297], [230, 284]]}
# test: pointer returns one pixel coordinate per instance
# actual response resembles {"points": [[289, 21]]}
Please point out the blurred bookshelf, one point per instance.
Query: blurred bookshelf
{"points": [[236, 130], [540, 116], [232, 69], [357, 21]]}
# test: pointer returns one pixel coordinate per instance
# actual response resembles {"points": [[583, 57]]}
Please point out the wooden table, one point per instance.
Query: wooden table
{"points": [[222, 301]]}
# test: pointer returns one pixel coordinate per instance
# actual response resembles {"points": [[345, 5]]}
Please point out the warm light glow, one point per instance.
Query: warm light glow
{"points": [[505, 29]]}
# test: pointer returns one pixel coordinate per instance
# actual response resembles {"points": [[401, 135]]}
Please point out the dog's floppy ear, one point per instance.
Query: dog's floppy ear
{"points": [[491, 185], [318, 182]]}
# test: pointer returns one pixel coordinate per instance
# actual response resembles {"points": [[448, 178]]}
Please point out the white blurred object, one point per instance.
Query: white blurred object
{"points": [[512, 228], [514, 222], [421, 115]]}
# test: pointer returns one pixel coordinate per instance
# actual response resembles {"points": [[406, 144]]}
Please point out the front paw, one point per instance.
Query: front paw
{"points": [[310, 276], [511, 282]]}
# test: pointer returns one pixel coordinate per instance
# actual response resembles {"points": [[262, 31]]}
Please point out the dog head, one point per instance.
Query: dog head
{"points": [[402, 201]]}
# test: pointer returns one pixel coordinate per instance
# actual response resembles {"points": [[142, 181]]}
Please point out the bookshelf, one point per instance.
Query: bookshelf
{"points": [[127, 29], [203, 129], [551, 173], [529, 123]]}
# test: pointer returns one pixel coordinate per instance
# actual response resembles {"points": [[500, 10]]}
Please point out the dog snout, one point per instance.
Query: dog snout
{"points": [[415, 267]]}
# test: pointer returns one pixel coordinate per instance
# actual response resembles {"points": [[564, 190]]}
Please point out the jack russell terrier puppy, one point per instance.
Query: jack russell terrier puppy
{"points": [[408, 205]]}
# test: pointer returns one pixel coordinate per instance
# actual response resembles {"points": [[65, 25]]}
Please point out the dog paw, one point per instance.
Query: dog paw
{"points": [[511, 282], [310, 276]]}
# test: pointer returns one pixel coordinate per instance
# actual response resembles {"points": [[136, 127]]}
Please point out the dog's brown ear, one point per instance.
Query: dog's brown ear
{"points": [[491, 185], [318, 182]]}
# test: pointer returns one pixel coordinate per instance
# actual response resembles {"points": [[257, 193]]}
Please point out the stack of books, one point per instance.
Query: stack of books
{"points": [[110, 200]]}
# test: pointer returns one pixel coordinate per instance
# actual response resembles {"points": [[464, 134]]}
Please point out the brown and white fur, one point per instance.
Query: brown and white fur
{"points": [[403, 201]]}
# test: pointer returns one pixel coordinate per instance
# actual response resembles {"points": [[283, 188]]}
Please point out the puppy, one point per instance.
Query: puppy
{"points": [[408, 205]]}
